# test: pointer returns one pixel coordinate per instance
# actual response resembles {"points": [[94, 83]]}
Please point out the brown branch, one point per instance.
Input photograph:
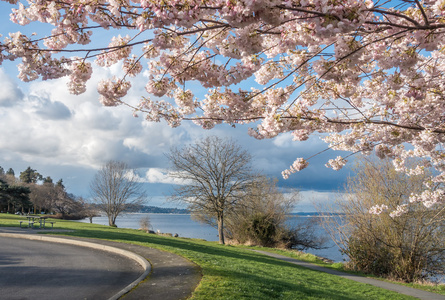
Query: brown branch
{"points": [[385, 12], [425, 18]]}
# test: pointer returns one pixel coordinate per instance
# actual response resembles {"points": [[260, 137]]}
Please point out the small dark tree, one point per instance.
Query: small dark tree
{"points": [[215, 174], [3, 193], [114, 188], [48, 180], [10, 172], [60, 184]]}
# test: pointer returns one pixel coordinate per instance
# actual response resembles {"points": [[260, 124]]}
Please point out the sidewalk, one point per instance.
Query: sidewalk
{"points": [[382, 284], [172, 277]]}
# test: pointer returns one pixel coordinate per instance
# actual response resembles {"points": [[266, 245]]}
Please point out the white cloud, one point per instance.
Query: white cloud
{"points": [[10, 95], [155, 175], [283, 140]]}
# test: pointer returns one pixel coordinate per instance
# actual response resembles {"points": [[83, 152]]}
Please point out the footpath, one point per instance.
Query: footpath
{"points": [[405, 290]]}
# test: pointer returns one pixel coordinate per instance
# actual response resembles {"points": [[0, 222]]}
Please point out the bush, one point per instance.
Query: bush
{"points": [[145, 224], [409, 247], [260, 219]]}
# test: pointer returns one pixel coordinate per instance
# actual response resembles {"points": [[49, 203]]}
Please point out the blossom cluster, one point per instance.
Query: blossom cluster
{"points": [[400, 210], [298, 165], [337, 163], [112, 90], [429, 198], [378, 209], [81, 72]]}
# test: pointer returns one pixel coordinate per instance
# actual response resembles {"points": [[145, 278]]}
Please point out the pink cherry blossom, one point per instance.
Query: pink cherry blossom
{"points": [[112, 90], [400, 210], [378, 209], [366, 76], [337, 163]]}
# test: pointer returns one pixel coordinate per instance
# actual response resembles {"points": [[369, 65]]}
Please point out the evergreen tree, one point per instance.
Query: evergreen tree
{"points": [[30, 176], [48, 180], [19, 197], [60, 184], [3, 192], [10, 172], [14, 197]]}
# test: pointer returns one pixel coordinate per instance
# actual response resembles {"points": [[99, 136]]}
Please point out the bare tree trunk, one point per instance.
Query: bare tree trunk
{"points": [[221, 229], [111, 220]]}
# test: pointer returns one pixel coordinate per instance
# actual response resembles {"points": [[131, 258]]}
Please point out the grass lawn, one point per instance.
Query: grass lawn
{"points": [[231, 272]]}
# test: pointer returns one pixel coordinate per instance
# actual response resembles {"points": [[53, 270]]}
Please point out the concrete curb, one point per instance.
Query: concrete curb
{"points": [[139, 259]]}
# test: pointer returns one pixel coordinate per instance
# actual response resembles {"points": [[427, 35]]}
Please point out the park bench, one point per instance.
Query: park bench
{"points": [[39, 221], [52, 224], [30, 223]]}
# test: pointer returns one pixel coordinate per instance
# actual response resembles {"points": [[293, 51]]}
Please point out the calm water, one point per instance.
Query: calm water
{"points": [[184, 226]]}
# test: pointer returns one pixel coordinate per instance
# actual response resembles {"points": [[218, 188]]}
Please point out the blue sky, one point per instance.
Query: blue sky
{"points": [[70, 137]]}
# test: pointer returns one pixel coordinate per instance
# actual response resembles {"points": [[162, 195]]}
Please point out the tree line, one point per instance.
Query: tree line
{"points": [[32, 193]]}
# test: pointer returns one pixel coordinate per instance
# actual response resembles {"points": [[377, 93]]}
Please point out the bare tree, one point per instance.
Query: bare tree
{"points": [[145, 223], [89, 210], [114, 188], [215, 172]]}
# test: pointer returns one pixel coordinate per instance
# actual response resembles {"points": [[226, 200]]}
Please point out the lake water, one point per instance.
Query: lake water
{"points": [[184, 226]]}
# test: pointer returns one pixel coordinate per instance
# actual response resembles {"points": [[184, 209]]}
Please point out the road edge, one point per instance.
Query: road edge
{"points": [[139, 259]]}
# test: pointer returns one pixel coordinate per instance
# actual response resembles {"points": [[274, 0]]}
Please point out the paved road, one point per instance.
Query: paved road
{"points": [[36, 269]]}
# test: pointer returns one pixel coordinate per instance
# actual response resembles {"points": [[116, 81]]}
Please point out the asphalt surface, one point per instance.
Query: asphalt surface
{"points": [[32, 269], [171, 277]]}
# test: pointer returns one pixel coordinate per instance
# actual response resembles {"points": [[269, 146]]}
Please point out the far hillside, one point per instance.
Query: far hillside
{"points": [[162, 210]]}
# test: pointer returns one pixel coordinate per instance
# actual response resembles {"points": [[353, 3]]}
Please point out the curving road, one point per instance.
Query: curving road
{"points": [[32, 269]]}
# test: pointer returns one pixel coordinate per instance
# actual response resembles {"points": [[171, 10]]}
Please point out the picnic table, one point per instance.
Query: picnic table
{"points": [[33, 220]]}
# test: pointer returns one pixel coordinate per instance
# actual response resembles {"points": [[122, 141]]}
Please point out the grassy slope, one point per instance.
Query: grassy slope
{"points": [[234, 272]]}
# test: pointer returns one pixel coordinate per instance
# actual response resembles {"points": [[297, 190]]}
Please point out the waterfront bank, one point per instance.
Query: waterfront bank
{"points": [[185, 226]]}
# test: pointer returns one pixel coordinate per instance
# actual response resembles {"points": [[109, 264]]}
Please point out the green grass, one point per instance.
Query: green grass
{"points": [[231, 272]]}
